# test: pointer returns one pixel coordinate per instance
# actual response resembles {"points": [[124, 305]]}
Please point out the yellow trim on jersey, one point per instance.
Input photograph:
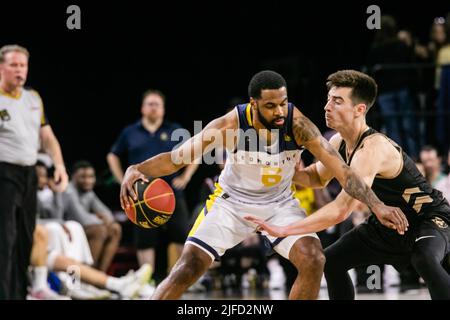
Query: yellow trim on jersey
{"points": [[16, 96], [43, 119], [248, 114], [197, 223], [209, 203]]}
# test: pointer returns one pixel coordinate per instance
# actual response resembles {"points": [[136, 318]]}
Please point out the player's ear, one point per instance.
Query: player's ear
{"points": [[361, 108], [253, 103]]}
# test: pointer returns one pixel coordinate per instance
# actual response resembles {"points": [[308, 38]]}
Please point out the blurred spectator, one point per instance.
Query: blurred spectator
{"points": [[83, 205], [127, 286], [420, 51], [431, 161], [443, 53], [438, 38], [444, 184], [40, 289], [148, 137], [66, 237], [387, 60], [422, 89], [443, 86]]}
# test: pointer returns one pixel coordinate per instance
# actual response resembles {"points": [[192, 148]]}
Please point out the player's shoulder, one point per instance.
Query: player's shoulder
{"points": [[336, 140], [229, 120], [376, 140], [30, 90], [132, 127], [296, 111], [33, 93], [374, 146]]}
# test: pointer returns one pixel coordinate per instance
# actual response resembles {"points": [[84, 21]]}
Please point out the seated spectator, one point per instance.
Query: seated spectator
{"points": [[66, 237], [40, 289], [431, 161], [43, 260], [444, 184], [82, 204]]}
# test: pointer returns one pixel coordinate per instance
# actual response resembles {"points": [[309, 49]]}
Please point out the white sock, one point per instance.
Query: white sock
{"points": [[40, 278], [114, 284]]}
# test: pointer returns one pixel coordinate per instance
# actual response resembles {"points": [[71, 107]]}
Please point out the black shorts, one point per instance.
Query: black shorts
{"points": [[175, 230], [372, 243]]}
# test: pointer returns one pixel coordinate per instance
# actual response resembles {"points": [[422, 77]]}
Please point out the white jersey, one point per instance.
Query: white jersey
{"points": [[21, 118], [260, 175]]}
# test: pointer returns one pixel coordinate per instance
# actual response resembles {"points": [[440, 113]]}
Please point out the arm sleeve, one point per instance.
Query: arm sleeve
{"points": [[44, 120]]}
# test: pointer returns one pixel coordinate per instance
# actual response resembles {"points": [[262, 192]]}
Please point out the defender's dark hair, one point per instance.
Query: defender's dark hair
{"points": [[265, 80], [364, 87]]}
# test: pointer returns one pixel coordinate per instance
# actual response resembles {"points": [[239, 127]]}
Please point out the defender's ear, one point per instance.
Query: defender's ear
{"points": [[361, 108]]}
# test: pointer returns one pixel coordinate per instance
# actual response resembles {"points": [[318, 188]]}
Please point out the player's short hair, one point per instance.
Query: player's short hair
{"points": [[364, 88], [82, 164], [12, 48], [153, 91], [265, 80]]}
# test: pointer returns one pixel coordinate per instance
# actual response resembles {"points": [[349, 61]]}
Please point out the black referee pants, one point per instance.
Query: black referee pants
{"points": [[18, 192]]}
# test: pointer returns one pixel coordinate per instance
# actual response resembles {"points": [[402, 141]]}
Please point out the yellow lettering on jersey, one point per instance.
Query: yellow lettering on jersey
{"points": [[270, 176]]}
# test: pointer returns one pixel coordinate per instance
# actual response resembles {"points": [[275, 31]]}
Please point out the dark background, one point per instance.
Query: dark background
{"points": [[201, 55]]}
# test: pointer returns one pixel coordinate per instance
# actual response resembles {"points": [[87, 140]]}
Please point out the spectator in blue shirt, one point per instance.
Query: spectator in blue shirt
{"points": [[149, 136]]}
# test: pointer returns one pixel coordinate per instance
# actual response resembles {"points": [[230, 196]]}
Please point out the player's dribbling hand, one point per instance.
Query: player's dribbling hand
{"points": [[126, 188], [275, 231], [392, 217]]}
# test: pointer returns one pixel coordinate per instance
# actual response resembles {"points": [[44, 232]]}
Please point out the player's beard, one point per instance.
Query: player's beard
{"points": [[270, 125]]}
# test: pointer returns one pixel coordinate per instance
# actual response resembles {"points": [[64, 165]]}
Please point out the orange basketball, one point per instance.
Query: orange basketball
{"points": [[155, 203]]}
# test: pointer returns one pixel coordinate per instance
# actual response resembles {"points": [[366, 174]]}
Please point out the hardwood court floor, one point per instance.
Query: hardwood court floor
{"points": [[391, 293]]}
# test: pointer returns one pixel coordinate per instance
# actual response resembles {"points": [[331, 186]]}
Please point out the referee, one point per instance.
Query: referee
{"points": [[23, 131]]}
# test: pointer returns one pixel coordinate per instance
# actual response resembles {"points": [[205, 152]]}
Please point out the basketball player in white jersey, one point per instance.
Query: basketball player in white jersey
{"points": [[257, 179]]}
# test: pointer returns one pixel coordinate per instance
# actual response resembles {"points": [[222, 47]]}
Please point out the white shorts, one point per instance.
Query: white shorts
{"points": [[221, 224], [59, 243]]}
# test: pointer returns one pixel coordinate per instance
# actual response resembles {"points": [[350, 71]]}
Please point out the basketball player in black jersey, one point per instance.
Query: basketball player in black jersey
{"points": [[394, 179], [268, 109]]}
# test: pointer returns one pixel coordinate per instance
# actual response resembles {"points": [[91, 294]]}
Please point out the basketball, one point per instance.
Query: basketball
{"points": [[155, 203]]}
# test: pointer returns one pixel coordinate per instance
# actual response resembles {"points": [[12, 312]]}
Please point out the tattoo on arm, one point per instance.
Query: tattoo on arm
{"points": [[358, 189], [354, 185], [304, 130], [329, 148]]}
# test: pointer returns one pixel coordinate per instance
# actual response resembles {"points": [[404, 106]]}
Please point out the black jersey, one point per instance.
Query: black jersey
{"points": [[408, 190]]}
